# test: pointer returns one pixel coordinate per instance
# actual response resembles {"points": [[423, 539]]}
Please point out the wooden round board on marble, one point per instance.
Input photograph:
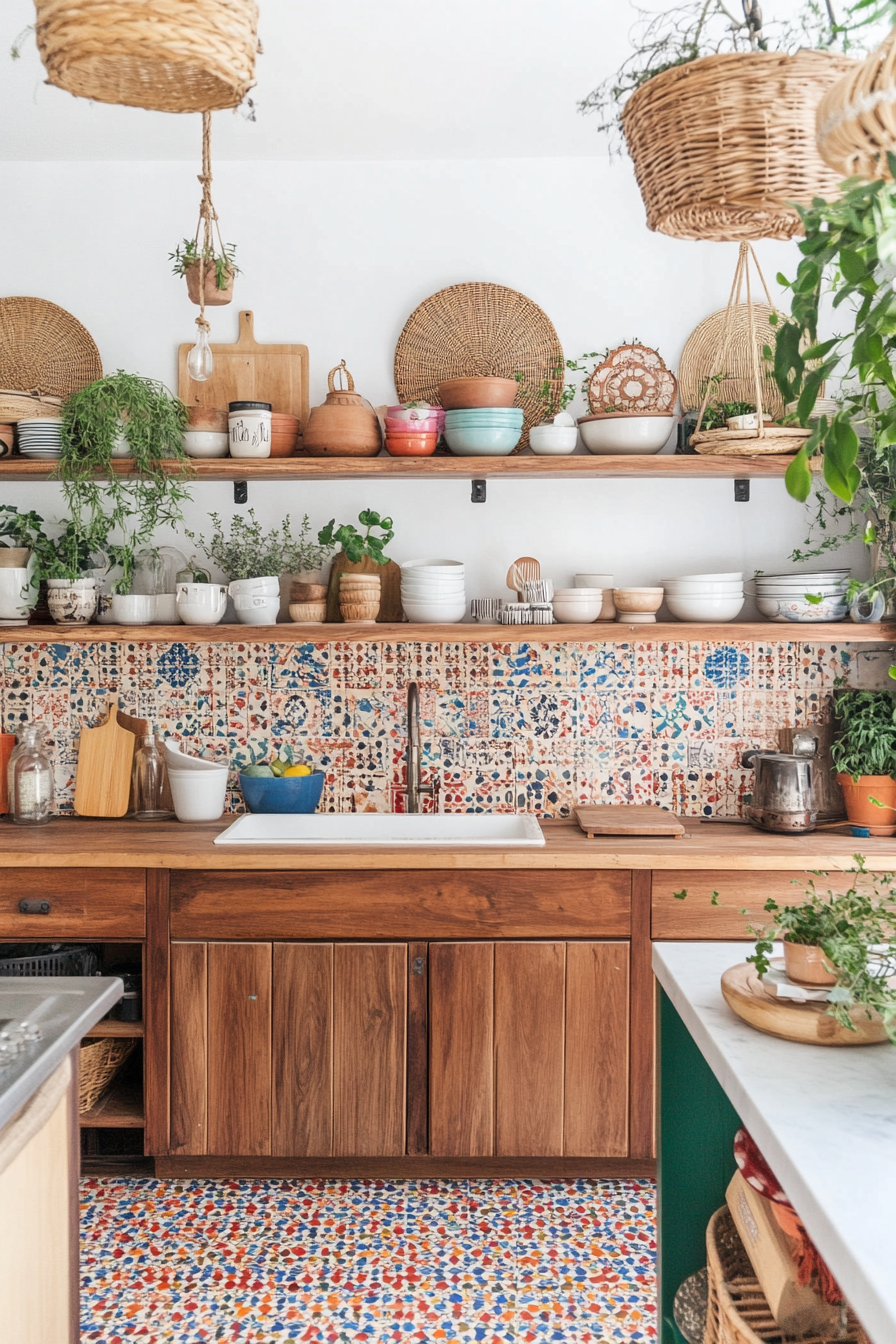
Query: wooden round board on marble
{"points": [[806, 1023]]}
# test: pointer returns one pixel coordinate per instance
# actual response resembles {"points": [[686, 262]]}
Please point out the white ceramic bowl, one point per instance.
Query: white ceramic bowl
{"points": [[576, 613], [432, 589], [731, 577], [823, 590], [192, 613], [553, 440], [449, 567], [692, 608], [815, 576], [426, 613], [434, 582], [164, 609], [205, 443], [178, 760], [801, 611], [703, 589], [133, 608], [626, 433], [579, 593]]}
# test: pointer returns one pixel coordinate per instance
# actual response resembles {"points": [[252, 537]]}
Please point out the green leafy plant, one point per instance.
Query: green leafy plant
{"points": [[69, 554], [865, 742], [188, 253], [553, 396], [249, 552], [358, 545]]}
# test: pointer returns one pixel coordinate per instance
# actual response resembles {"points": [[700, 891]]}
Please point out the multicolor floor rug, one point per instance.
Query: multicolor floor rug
{"points": [[360, 1262]]}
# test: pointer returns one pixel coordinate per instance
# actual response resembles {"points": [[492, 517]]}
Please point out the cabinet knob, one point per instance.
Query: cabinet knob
{"points": [[417, 966], [34, 907]]}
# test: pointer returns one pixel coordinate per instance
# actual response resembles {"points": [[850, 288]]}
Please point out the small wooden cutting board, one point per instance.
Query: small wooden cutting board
{"points": [[105, 762], [646, 820], [250, 370]]}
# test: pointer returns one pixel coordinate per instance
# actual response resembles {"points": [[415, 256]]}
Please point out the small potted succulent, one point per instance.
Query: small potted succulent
{"points": [[864, 756], [359, 585], [217, 267]]}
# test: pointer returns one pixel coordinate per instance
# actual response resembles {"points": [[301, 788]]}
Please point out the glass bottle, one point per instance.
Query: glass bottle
{"points": [[31, 778], [150, 780]]}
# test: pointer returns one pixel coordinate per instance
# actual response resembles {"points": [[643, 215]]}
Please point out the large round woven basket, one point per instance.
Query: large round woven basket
{"points": [[856, 118], [724, 145], [479, 330], [44, 350], [701, 354], [165, 55]]}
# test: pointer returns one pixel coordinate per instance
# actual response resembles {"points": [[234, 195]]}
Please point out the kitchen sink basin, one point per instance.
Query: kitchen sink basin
{"points": [[380, 828]]}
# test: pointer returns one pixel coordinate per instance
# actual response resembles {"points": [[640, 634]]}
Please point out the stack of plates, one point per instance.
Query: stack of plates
{"points": [[433, 592], [40, 439], [820, 595]]}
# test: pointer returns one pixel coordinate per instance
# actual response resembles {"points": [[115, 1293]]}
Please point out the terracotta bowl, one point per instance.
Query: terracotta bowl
{"points": [[208, 419], [411, 445], [461, 394], [283, 444]]}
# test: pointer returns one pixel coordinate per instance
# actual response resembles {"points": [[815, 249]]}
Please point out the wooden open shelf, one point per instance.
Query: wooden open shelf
{"points": [[111, 1028], [601, 632], [579, 466], [121, 1108]]}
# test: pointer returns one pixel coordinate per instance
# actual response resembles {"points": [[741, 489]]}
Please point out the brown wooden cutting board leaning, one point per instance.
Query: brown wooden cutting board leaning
{"points": [[105, 764], [250, 370], [645, 820]]}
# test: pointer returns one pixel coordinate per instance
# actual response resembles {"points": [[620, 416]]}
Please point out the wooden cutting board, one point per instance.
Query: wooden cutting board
{"points": [[250, 371], [105, 764], [390, 587], [629, 821]]}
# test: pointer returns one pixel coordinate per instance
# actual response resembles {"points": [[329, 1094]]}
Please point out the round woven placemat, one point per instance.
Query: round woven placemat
{"points": [[44, 349], [702, 352], [774, 441], [478, 330]]}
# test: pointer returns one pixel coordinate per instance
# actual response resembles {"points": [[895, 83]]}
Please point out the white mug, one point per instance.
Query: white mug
{"points": [[201, 603]]}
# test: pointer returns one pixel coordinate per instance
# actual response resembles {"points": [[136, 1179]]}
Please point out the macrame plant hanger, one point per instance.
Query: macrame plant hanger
{"points": [[200, 361]]}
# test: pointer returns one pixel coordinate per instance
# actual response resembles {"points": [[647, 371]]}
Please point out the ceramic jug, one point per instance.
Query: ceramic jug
{"points": [[345, 425]]}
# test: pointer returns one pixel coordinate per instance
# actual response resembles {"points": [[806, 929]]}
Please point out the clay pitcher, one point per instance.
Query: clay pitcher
{"points": [[345, 425]]}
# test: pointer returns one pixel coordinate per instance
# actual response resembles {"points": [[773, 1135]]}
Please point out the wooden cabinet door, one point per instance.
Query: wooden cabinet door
{"points": [[189, 1048], [239, 1048], [302, 1124], [461, 1049], [595, 1091], [369, 1049]]}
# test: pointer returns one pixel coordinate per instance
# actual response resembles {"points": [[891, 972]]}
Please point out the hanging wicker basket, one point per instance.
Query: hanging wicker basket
{"points": [[163, 55], [724, 145], [856, 118]]}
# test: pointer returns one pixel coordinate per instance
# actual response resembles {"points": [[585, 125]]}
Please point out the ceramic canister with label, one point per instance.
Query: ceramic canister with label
{"points": [[249, 427]]}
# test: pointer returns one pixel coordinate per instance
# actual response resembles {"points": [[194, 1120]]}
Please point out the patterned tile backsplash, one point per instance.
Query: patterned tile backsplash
{"points": [[506, 727]]}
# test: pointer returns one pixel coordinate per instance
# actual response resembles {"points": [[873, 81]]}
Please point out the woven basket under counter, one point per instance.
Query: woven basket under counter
{"points": [[99, 1062], [737, 1311]]}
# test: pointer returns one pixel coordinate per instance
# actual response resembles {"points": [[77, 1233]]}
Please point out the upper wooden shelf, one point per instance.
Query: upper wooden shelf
{"points": [[576, 467], [601, 632]]}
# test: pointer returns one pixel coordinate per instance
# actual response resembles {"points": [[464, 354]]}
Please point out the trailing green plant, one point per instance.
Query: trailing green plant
{"points": [[865, 741], [358, 545], [188, 253], [250, 552]]}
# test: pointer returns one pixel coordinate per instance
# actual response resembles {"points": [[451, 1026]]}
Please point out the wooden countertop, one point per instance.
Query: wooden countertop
{"points": [[80, 843]]}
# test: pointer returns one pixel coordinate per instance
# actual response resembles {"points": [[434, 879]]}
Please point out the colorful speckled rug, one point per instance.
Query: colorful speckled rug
{"points": [[565, 1262]]}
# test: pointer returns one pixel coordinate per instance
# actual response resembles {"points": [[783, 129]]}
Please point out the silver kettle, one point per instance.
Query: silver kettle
{"points": [[783, 795]]}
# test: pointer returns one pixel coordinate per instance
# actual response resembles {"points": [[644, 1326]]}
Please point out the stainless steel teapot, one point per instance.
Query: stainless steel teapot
{"points": [[783, 794]]}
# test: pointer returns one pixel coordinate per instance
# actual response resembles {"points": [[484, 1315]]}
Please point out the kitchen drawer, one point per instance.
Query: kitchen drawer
{"points": [[696, 917], [418, 904], [106, 903]]}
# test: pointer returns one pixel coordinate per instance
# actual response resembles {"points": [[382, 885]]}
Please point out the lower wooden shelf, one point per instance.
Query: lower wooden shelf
{"points": [[112, 1028], [120, 1108]]}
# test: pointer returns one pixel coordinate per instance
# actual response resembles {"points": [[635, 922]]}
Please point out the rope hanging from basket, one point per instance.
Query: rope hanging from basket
{"points": [[207, 224], [740, 283]]}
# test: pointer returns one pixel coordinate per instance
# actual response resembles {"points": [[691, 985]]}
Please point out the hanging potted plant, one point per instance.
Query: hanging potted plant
{"points": [[209, 270], [718, 115], [864, 756]]}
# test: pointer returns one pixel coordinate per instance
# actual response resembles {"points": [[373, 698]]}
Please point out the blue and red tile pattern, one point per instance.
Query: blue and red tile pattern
{"points": [[367, 1261]]}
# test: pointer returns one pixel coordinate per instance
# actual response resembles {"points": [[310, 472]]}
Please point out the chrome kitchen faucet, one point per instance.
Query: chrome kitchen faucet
{"points": [[414, 789]]}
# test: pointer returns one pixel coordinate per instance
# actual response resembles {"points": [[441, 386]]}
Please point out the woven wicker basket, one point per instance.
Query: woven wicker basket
{"points": [[724, 145], [701, 353], [99, 1063], [856, 118], [737, 1311], [164, 55]]}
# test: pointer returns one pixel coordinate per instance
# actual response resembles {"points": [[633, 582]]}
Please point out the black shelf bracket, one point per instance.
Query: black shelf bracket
{"points": [[241, 492], [477, 495], [741, 492]]}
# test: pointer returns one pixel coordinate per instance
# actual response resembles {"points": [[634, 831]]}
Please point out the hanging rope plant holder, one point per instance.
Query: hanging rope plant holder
{"points": [[202, 275], [764, 440]]}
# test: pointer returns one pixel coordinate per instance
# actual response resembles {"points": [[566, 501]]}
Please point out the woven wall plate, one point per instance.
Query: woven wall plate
{"points": [[776, 439], [702, 352], [478, 330], [635, 379], [44, 349]]}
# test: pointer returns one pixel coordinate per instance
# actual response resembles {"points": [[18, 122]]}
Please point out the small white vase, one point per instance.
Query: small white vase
{"points": [[72, 601], [132, 608]]}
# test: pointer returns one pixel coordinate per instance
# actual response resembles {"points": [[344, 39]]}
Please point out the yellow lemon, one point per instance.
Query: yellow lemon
{"points": [[296, 771]]}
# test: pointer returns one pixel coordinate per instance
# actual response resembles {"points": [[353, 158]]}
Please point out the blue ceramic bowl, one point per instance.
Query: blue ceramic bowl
{"points": [[301, 794], [496, 417], [482, 442]]}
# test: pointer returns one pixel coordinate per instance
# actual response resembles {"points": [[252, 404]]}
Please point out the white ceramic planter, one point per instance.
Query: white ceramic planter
{"points": [[201, 603], [132, 608], [256, 601], [553, 440], [164, 609], [72, 601], [15, 598], [197, 795]]}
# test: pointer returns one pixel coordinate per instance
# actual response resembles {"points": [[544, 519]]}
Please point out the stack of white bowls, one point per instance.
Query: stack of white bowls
{"points": [[786, 597], [705, 597], [577, 606], [432, 591], [198, 786]]}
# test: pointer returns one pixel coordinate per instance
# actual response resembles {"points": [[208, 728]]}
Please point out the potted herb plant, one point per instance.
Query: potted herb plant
{"points": [[557, 434], [864, 755], [355, 581], [253, 561], [217, 269], [19, 578]]}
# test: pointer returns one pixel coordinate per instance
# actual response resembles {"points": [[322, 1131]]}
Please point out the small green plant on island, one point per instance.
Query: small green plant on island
{"points": [[188, 253], [250, 552], [360, 545]]}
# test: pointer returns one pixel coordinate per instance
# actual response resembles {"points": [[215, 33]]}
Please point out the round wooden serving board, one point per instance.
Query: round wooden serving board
{"points": [[807, 1023]]}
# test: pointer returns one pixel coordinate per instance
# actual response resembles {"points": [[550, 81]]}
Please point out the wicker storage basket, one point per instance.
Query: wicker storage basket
{"points": [[722, 146], [856, 118], [100, 1061], [737, 1311], [159, 54]]}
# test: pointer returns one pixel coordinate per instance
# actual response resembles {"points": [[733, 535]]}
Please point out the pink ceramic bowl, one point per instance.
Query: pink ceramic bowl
{"points": [[429, 426]]}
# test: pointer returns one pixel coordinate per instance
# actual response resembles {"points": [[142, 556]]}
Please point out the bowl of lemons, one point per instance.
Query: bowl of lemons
{"points": [[282, 785]]}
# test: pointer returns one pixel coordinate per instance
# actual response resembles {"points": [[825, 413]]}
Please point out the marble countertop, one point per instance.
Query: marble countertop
{"points": [[824, 1118], [64, 1007]]}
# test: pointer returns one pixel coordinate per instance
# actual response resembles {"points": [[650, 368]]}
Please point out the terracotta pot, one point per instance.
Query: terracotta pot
{"points": [[214, 296], [284, 434], [806, 964], [207, 419], [411, 445], [14, 557], [862, 811], [468, 394], [345, 426]]}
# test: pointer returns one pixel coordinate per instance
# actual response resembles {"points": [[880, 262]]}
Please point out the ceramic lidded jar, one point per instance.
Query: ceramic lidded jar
{"points": [[345, 425], [249, 426]]}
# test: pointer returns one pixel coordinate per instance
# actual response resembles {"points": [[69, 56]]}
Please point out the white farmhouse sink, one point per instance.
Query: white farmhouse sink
{"points": [[380, 828]]}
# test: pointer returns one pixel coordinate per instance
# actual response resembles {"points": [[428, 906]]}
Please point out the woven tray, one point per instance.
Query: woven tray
{"points": [[478, 330], [776, 440], [100, 1061], [44, 349], [737, 1311]]}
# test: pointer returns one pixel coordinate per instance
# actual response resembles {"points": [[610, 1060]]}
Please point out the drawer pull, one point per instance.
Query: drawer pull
{"points": [[34, 907], [417, 966]]}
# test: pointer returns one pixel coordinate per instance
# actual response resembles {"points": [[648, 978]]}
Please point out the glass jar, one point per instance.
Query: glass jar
{"points": [[150, 780], [31, 778]]}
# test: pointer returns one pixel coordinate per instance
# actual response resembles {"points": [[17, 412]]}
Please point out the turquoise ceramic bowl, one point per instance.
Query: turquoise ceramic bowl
{"points": [[301, 794], [497, 418], [482, 442]]}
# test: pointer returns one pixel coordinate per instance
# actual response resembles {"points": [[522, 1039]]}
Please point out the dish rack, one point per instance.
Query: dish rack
{"points": [[28, 959]]}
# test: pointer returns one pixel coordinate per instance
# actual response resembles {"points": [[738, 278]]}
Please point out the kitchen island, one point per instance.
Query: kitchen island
{"points": [[824, 1119]]}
